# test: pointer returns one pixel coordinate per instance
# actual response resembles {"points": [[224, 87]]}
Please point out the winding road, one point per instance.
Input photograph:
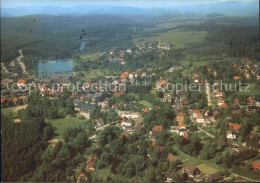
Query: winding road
{"points": [[19, 61], [208, 93]]}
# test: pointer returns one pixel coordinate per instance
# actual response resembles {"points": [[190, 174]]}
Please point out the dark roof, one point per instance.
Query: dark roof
{"points": [[190, 167], [215, 176], [235, 112], [170, 175], [171, 157]]}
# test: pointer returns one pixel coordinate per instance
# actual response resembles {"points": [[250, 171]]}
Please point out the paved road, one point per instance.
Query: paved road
{"points": [[208, 134], [243, 177], [208, 93], [19, 61], [102, 127]]}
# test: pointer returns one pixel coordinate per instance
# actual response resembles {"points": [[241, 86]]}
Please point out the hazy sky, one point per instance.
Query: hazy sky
{"points": [[143, 4]]}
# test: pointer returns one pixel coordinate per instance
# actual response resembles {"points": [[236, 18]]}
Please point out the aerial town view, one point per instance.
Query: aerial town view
{"points": [[130, 91]]}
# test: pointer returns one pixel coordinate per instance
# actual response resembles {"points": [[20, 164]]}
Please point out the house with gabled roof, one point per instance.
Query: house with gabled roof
{"points": [[231, 135], [256, 165], [156, 130], [173, 158], [200, 118], [220, 101], [91, 162], [195, 113], [191, 170]]}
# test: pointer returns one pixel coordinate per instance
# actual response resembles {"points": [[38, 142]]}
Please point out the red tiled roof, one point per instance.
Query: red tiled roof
{"points": [[21, 81], [237, 77], [229, 131], [256, 165], [158, 128], [219, 93], [124, 75], [237, 126], [220, 99], [185, 136], [196, 111], [125, 134], [195, 75], [224, 106], [200, 116], [181, 124]]}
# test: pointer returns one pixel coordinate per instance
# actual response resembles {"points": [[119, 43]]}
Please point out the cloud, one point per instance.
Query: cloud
{"points": [[143, 3]]}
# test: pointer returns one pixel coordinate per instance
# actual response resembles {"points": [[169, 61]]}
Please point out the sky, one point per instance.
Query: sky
{"points": [[134, 3]]}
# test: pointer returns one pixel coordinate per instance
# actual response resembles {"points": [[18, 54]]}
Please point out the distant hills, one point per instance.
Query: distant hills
{"points": [[226, 8]]}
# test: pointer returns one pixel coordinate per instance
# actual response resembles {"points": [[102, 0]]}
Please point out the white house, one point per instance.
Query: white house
{"points": [[131, 76], [125, 122], [230, 135], [220, 101], [174, 129], [195, 113], [200, 118], [129, 51], [219, 94], [128, 114]]}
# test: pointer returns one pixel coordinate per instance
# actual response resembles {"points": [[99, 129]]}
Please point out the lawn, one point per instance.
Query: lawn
{"points": [[146, 103], [207, 170], [253, 90], [180, 39], [92, 56], [62, 124], [95, 73], [12, 110]]}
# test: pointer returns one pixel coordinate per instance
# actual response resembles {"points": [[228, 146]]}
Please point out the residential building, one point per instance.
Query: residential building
{"points": [[174, 129], [200, 118], [91, 162], [230, 135], [191, 170], [195, 113], [172, 158], [256, 165], [251, 109], [214, 177]]}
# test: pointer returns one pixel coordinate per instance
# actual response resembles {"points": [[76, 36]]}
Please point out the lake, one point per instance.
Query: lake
{"points": [[51, 67]]}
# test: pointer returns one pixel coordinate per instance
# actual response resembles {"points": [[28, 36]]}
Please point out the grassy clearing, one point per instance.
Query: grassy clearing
{"points": [[95, 73], [180, 39], [12, 110], [205, 169], [253, 90], [62, 124], [187, 159], [145, 103], [92, 56]]}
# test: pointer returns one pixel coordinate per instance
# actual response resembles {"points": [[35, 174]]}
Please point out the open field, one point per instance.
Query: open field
{"points": [[13, 110], [145, 103], [62, 124], [92, 56], [251, 91], [207, 169], [180, 39]]}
